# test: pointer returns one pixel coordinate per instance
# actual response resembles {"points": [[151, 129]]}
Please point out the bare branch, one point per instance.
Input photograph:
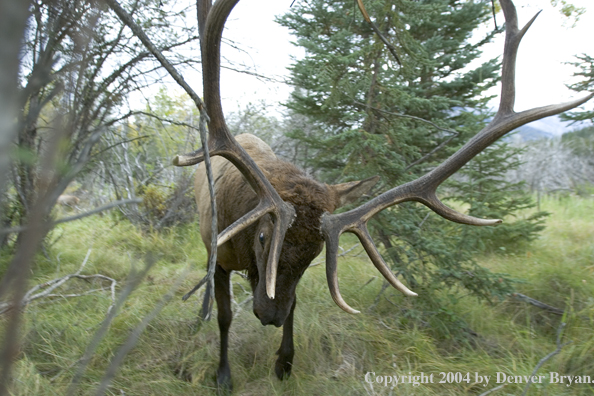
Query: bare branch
{"points": [[78, 216], [138, 32], [538, 304]]}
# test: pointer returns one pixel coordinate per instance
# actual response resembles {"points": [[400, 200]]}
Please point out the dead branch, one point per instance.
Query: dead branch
{"points": [[375, 28], [48, 287], [537, 303]]}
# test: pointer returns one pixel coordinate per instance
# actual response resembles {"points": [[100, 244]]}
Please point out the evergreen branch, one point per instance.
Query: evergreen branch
{"points": [[391, 48], [454, 134]]}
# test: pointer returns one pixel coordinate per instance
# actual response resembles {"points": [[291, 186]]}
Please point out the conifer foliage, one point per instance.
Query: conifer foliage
{"points": [[397, 113]]}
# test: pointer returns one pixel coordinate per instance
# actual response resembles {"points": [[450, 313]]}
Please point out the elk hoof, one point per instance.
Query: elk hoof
{"points": [[224, 384], [282, 368]]}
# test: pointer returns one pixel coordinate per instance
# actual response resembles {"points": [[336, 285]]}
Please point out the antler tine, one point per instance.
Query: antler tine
{"points": [[363, 233], [376, 258], [332, 235], [423, 189], [211, 20]]}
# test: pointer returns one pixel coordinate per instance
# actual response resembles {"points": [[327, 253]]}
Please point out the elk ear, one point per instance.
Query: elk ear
{"points": [[349, 192]]}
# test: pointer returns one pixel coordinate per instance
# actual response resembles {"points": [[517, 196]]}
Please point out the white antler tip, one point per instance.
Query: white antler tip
{"points": [[270, 293]]}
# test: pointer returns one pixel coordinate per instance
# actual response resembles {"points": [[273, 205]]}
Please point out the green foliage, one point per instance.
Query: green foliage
{"points": [[586, 73], [369, 116]]}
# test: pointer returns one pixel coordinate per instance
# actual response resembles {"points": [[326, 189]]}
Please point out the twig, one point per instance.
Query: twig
{"points": [[195, 289], [550, 355], [538, 304], [368, 282], [430, 153], [424, 220]]}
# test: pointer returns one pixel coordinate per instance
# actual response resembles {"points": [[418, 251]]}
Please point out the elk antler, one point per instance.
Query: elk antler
{"points": [[211, 20], [423, 189]]}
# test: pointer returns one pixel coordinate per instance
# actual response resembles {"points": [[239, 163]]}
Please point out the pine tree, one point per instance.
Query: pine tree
{"points": [[586, 74], [370, 115]]}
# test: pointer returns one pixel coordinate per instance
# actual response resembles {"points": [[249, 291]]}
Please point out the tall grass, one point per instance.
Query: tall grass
{"points": [[176, 355]]}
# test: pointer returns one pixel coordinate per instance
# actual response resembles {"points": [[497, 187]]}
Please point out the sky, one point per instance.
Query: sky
{"points": [[541, 73]]}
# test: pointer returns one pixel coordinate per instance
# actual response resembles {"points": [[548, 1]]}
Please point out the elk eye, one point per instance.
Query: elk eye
{"points": [[261, 238]]}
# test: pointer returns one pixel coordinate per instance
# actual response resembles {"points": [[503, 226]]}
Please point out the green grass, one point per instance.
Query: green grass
{"points": [[334, 350]]}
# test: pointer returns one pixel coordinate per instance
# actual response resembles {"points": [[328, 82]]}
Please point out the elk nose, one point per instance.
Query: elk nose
{"points": [[270, 318]]}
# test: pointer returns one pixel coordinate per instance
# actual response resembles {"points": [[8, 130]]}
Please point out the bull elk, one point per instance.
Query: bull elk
{"points": [[273, 219]]}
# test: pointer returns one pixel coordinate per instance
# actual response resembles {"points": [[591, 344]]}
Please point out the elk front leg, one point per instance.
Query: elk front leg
{"points": [[285, 353], [224, 316]]}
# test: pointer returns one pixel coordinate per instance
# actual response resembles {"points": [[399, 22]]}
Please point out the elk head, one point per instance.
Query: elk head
{"points": [[303, 240]]}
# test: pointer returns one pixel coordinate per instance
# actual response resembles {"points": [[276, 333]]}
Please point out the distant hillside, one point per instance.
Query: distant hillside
{"points": [[546, 128]]}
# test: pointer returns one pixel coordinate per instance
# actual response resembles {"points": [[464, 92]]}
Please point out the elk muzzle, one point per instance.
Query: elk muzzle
{"points": [[272, 312]]}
